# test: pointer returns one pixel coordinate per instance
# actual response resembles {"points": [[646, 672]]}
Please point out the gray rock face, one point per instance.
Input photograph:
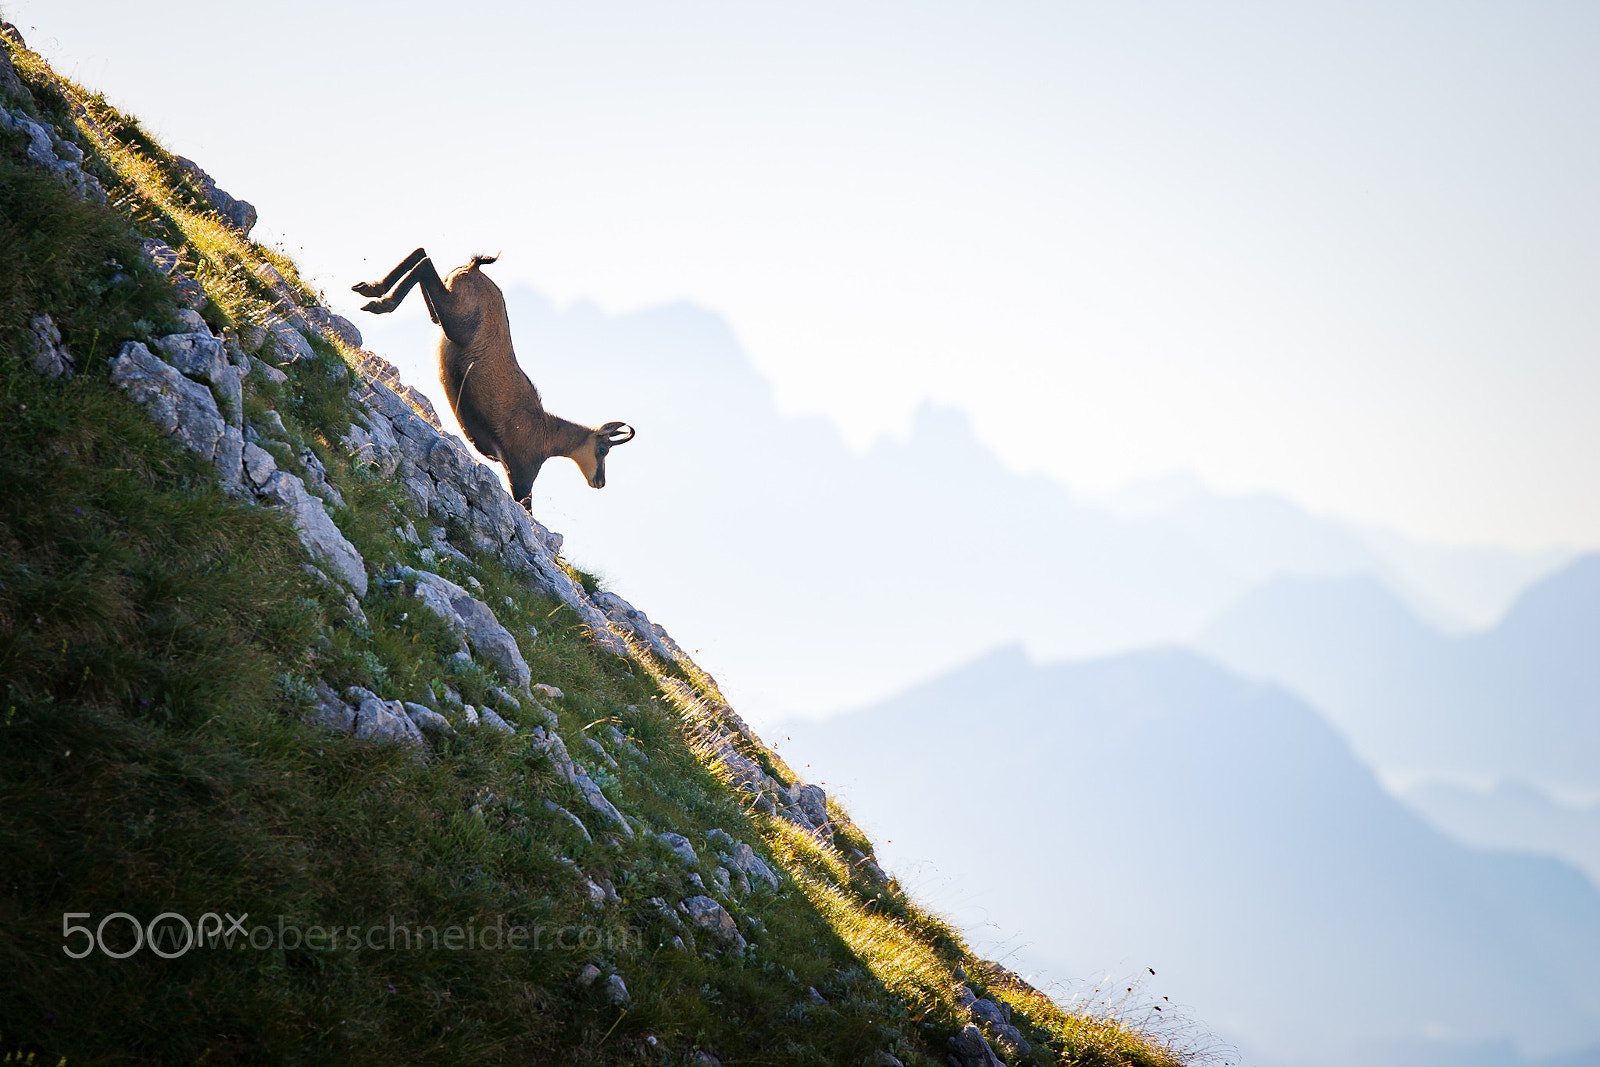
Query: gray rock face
{"points": [[443, 479], [616, 992], [317, 479], [471, 619], [202, 356], [180, 407], [291, 345], [317, 531], [338, 326], [550, 743], [811, 801], [10, 84], [743, 859], [48, 150], [632, 620], [46, 354], [681, 848], [267, 370], [488, 717], [259, 466], [236, 213], [598, 751], [385, 720], [374, 444], [969, 1049], [332, 712], [556, 809], [706, 914], [429, 721], [190, 293]]}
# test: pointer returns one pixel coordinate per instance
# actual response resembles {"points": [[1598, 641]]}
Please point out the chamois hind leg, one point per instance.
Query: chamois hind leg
{"points": [[433, 291], [379, 288]]}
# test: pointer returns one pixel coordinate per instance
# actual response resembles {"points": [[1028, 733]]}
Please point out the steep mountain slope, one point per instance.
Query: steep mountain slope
{"points": [[749, 505], [300, 709], [1277, 889], [1520, 700]]}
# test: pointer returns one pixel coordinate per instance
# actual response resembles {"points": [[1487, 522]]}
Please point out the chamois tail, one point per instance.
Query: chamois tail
{"points": [[478, 261]]}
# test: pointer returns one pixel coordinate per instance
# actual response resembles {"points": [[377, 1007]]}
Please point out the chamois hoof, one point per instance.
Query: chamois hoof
{"points": [[368, 288], [378, 307]]}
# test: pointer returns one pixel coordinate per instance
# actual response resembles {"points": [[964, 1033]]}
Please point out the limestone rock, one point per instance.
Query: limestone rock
{"points": [[237, 213], [549, 742], [969, 1049], [429, 721], [317, 531], [46, 354], [267, 370], [292, 346], [556, 809], [681, 848], [599, 752], [317, 478], [374, 443], [40, 151], [10, 84], [743, 859], [332, 712], [181, 408], [200, 355], [635, 622], [616, 991], [259, 466], [333, 325], [488, 717], [713, 918], [385, 720], [471, 619]]}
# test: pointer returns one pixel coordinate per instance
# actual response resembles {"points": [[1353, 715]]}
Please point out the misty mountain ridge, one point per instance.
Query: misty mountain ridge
{"points": [[1520, 700], [1275, 887], [940, 531]]}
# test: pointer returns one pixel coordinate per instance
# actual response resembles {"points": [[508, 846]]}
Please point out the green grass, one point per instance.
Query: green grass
{"points": [[158, 643]]}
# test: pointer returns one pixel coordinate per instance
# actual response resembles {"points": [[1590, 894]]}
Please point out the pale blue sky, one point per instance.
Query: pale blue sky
{"points": [[1348, 253]]}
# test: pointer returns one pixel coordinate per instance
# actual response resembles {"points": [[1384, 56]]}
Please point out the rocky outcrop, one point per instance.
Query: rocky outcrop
{"points": [[188, 411], [712, 918], [550, 744], [442, 479], [969, 1049], [47, 148], [236, 213], [633, 621], [471, 620], [44, 350]]}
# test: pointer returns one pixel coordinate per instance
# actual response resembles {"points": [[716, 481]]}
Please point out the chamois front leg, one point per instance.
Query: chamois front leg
{"points": [[521, 476], [379, 288]]}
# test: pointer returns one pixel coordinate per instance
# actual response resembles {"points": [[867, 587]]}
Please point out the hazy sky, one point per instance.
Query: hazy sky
{"points": [[1343, 252]]}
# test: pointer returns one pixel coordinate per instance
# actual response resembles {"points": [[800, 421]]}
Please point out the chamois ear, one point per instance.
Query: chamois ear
{"points": [[613, 433]]}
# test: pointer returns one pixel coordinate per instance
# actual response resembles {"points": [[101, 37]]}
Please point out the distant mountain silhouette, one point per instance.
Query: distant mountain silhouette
{"points": [[1220, 832], [737, 522], [1520, 700], [1513, 815]]}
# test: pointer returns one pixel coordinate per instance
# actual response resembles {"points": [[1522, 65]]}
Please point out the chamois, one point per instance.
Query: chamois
{"points": [[494, 400]]}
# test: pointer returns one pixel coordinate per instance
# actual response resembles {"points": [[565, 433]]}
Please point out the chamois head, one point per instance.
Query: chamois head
{"points": [[590, 456]]}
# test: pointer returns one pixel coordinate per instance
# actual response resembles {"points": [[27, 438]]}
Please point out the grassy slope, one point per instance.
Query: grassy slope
{"points": [[156, 644]]}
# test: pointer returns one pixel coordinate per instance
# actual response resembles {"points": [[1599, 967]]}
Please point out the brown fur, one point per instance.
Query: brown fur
{"points": [[496, 403]]}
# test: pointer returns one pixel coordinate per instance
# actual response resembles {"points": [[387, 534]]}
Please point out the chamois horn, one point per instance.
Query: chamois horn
{"points": [[613, 432]]}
